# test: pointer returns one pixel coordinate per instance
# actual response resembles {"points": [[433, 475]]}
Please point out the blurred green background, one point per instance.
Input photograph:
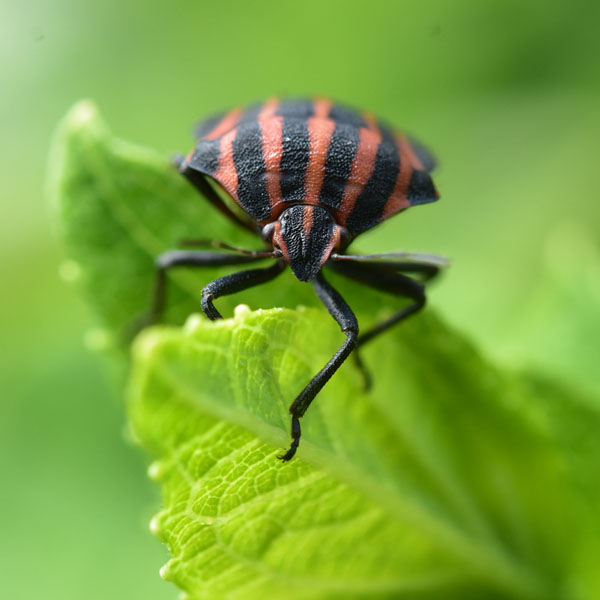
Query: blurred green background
{"points": [[507, 95]]}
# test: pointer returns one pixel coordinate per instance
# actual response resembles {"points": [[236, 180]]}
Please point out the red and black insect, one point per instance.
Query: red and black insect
{"points": [[310, 176]]}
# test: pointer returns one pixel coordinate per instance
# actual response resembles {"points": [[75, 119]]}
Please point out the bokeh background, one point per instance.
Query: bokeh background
{"points": [[506, 93]]}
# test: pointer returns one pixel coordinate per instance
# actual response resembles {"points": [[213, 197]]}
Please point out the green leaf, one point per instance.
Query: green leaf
{"points": [[450, 479]]}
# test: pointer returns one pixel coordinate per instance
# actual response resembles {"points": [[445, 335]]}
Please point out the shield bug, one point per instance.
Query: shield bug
{"points": [[310, 176]]}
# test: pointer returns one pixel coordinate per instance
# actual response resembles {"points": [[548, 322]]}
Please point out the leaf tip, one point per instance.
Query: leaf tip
{"points": [[78, 127], [84, 116], [84, 112]]}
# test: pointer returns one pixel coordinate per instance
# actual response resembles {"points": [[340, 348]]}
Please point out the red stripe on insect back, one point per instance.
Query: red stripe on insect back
{"points": [[398, 199], [230, 120], [371, 121], [320, 130], [405, 149], [362, 167], [226, 173], [307, 220], [321, 108], [271, 133]]}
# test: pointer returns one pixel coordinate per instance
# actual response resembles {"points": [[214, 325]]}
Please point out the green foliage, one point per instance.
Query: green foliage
{"points": [[451, 479]]}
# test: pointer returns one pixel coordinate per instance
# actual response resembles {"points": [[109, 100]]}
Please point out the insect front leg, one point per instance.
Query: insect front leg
{"points": [[425, 266], [346, 319], [236, 282], [185, 258], [170, 260]]}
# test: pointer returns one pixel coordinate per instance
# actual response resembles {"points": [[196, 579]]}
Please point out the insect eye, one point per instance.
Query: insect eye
{"points": [[267, 232], [345, 236]]}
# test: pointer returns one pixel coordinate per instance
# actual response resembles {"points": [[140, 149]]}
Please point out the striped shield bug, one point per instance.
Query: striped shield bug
{"points": [[309, 177]]}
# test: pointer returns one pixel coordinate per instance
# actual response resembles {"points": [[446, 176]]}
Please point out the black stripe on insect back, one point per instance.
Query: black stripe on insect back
{"points": [[206, 156], [250, 167], [294, 158], [369, 206], [298, 109], [338, 164], [206, 126], [423, 154], [347, 116], [251, 113], [421, 189]]}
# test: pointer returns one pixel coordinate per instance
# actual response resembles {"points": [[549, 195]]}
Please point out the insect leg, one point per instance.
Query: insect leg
{"points": [[346, 319], [179, 258], [427, 269], [386, 281], [198, 180], [236, 282]]}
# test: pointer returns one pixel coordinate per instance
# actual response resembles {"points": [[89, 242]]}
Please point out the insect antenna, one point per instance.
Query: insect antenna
{"points": [[193, 243]]}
